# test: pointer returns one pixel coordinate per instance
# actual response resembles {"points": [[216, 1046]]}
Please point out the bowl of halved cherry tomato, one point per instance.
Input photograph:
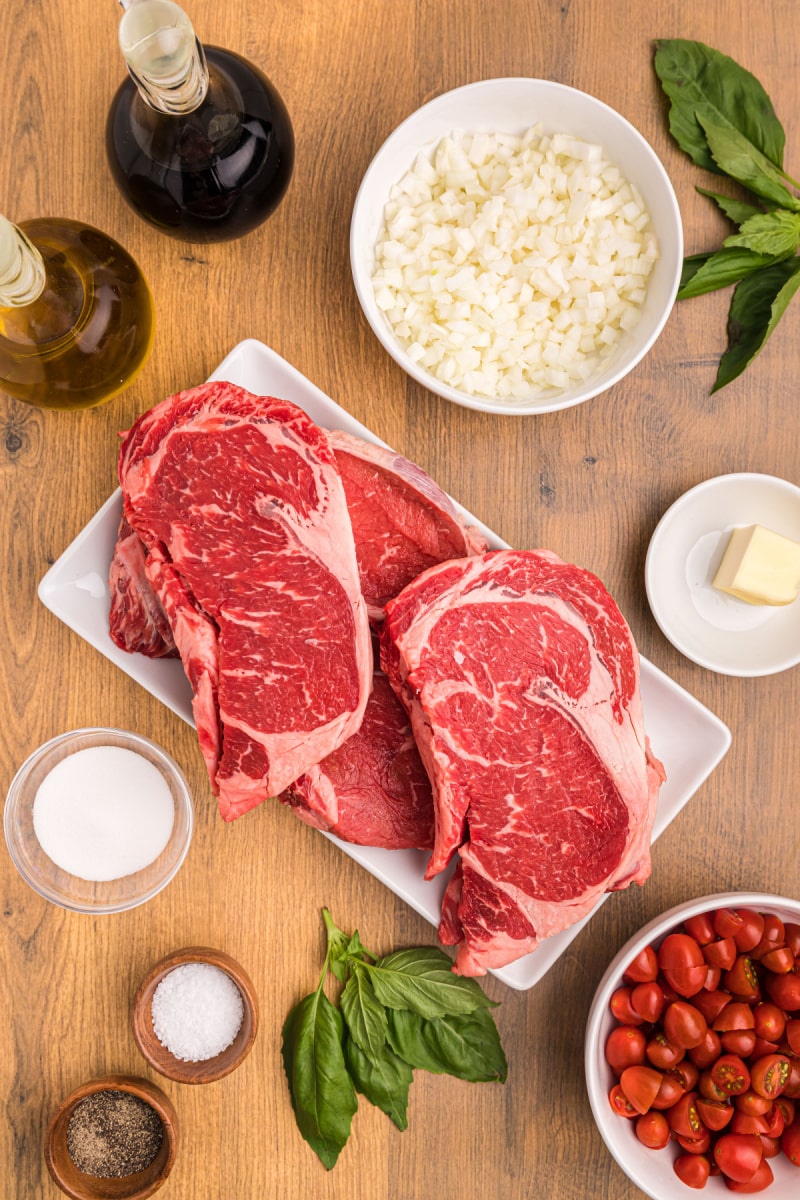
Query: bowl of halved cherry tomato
{"points": [[693, 1049]]}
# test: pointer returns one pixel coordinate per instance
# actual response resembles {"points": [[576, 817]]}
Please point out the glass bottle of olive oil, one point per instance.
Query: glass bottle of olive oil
{"points": [[198, 139], [76, 314]]}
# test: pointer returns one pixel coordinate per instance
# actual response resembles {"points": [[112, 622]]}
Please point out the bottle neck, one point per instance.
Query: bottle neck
{"points": [[164, 57], [22, 272]]}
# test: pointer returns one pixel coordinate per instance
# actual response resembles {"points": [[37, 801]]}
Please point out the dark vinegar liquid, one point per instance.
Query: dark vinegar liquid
{"points": [[209, 175], [88, 334]]}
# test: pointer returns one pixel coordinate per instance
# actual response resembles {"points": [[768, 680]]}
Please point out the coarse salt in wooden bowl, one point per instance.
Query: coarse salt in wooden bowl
{"points": [[137, 1186], [162, 1059]]}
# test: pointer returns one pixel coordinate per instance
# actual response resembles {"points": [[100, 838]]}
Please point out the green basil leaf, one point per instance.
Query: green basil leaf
{"points": [[383, 1078], [707, 272], [740, 159], [702, 82], [776, 233], [422, 980], [467, 1046], [322, 1092], [758, 304], [735, 210], [364, 1016]]}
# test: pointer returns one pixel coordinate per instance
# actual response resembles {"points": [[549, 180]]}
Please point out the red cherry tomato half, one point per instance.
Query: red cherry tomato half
{"points": [[792, 937], [669, 1093], [701, 928], [792, 1030], [643, 968], [620, 1103], [730, 1075], [661, 1053], [682, 964], [751, 1102], [761, 1180], [751, 931], [744, 1123], [652, 1130], [693, 1170], [647, 1000], [770, 1145], [769, 1075], [786, 1108], [738, 1155], [779, 961], [775, 1122], [736, 1015], [784, 990], [714, 1114], [721, 953], [727, 922], [711, 1004], [640, 1085], [790, 1142], [742, 980], [625, 1047], [698, 1145], [684, 1118], [713, 978], [761, 1048], [768, 1021], [707, 1052], [622, 1009], [738, 1041], [684, 1024], [772, 936]]}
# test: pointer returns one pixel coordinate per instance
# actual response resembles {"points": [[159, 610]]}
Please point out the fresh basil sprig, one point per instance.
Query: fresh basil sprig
{"points": [[723, 119], [403, 1011]]}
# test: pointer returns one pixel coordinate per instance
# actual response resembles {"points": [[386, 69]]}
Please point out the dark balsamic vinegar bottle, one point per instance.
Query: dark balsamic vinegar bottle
{"points": [[198, 139]]}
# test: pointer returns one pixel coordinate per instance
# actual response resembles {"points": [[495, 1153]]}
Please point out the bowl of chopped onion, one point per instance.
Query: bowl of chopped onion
{"points": [[516, 246]]}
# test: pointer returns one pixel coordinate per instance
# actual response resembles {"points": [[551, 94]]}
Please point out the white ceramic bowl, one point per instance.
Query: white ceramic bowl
{"points": [[712, 629], [651, 1170], [513, 105], [60, 886]]}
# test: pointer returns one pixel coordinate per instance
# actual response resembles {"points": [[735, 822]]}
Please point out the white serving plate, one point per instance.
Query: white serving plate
{"points": [[688, 738], [717, 631]]}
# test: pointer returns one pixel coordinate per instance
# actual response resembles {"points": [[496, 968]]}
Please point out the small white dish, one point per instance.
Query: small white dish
{"points": [[688, 738], [512, 105], [652, 1170], [712, 629]]}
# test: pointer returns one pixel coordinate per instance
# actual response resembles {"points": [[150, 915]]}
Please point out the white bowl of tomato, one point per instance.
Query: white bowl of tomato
{"points": [[693, 1049]]}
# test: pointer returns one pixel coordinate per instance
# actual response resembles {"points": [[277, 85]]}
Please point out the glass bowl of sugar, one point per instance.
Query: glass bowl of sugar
{"points": [[98, 820]]}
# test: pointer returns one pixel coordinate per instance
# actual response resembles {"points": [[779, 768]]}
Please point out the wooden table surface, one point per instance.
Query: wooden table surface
{"points": [[589, 483]]}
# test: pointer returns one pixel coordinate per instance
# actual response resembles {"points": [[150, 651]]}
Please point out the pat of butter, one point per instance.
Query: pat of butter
{"points": [[760, 566]]}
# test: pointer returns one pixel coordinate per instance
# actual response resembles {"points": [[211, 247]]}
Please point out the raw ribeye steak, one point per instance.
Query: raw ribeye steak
{"points": [[241, 510], [402, 521], [373, 790], [521, 679]]}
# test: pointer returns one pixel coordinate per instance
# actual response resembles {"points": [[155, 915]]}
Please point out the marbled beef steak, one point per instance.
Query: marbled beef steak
{"points": [[521, 679], [248, 546]]}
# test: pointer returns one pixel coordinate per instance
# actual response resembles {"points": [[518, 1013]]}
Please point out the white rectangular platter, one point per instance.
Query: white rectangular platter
{"points": [[688, 738]]}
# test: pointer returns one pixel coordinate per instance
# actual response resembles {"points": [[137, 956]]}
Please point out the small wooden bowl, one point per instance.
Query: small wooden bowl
{"points": [[161, 1059], [127, 1187]]}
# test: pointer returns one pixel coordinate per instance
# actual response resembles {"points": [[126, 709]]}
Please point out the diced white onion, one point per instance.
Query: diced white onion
{"points": [[513, 265]]}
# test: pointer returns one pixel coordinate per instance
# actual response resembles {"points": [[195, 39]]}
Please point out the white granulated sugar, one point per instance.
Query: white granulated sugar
{"points": [[103, 812], [197, 1011], [508, 266]]}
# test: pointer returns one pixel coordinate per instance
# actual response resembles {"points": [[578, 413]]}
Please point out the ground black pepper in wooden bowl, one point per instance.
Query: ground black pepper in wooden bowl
{"points": [[113, 1134]]}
